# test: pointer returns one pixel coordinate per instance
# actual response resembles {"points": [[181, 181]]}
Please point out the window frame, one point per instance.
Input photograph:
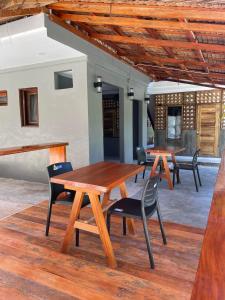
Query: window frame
{"points": [[3, 94], [25, 95]]}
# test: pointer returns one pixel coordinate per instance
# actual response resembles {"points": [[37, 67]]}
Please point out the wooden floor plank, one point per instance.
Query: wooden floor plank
{"points": [[34, 261]]}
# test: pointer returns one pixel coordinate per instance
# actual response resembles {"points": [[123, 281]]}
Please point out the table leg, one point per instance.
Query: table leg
{"points": [[124, 194], [103, 232], [154, 167], [167, 171], [57, 154], [78, 199], [105, 201]]}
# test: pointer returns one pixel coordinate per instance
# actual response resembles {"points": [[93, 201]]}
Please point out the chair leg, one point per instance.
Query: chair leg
{"points": [[144, 172], [48, 217], [77, 232], [196, 184], [108, 222], [124, 226], [161, 227], [135, 180], [151, 260], [199, 179], [178, 176]]}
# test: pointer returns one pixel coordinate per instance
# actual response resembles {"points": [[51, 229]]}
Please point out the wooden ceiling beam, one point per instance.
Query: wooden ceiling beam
{"points": [[149, 42], [168, 60], [6, 13], [193, 73], [142, 23], [169, 12]]}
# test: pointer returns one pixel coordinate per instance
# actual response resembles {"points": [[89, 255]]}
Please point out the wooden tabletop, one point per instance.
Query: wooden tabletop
{"points": [[164, 150], [28, 148], [210, 278], [100, 177]]}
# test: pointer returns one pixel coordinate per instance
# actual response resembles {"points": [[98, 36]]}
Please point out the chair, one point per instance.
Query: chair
{"points": [[192, 166], [57, 190], [140, 209], [142, 160]]}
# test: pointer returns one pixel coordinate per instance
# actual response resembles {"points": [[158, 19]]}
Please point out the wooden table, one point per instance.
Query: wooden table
{"points": [[96, 179], [57, 151], [164, 153]]}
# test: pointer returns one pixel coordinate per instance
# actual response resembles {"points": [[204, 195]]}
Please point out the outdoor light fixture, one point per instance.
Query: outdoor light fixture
{"points": [[147, 98], [130, 94], [98, 84]]}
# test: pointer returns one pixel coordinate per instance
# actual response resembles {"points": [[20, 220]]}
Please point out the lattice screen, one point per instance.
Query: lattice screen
{"points": [[174, 99], [223, 110], [208, 97], [160, 99], [160, 117], [189, 111]]}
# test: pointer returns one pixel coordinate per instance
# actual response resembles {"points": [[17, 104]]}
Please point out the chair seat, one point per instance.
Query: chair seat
{"points": [[70, 197], [131, 207], [184, 166]]}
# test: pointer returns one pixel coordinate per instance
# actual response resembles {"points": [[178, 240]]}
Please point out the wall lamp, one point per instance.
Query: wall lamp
{"points": [[98, 84], [130, 94], [147, 98]]}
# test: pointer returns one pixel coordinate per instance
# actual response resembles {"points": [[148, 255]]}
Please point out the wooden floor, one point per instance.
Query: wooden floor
{"points": [[31, 266]]}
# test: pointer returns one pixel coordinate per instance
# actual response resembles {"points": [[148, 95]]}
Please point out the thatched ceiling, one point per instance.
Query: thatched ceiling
{"points": [[167, 39]]}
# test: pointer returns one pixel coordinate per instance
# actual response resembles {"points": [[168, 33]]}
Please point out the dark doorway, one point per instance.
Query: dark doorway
{"points": [[135, 127], [111, 130]]}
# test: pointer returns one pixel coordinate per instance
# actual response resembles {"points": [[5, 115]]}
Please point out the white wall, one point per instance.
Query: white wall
{"points": [[63, 116], [114, 72]]}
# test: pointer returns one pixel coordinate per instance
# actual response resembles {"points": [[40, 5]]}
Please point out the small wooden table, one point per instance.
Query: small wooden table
{"points": [[164, 152], [96, 179], [57, 151]]}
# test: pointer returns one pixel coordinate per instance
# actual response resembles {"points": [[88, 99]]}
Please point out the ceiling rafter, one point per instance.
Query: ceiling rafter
{"points": [[167, 12], [160, 43], [143, 23]]}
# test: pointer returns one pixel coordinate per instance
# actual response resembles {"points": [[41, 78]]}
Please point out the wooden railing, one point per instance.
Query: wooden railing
{"points": [[210, 277]]}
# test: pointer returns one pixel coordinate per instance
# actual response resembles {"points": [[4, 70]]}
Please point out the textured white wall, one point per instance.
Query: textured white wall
{"points": [[63, 116]]}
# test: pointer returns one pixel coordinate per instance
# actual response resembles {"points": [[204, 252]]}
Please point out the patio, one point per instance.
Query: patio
{"points": [[181, 205]]}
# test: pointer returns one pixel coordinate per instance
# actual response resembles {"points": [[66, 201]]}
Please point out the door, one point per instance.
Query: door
{"points": [[208, 129]]}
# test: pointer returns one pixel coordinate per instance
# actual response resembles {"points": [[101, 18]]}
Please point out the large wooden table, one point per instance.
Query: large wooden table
{"points": [[57, 151], [210, 277], [164, 153], [96, 179]]}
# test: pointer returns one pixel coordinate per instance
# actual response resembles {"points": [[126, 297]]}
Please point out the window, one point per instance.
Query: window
{"points": [[63, 80], [3, 98], [29, 107], [174, 122]]}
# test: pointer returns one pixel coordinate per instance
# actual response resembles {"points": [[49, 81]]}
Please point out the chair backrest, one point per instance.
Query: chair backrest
{"points": [[150, 192], [195, 157], [141, 155], [54, 170]]}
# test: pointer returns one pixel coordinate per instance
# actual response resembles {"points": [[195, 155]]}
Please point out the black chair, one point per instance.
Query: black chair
{"points": [[143, 160], [57, 189], [140, 209], [192, 166]]}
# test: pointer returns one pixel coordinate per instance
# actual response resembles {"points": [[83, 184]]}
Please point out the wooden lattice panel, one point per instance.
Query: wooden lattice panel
{"points": [[208, 97], [160, 117], [189, 98], [223, 110], [160, 99], [189, 116], [174, 99]]}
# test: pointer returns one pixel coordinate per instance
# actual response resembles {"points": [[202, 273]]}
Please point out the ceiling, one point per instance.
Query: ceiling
{"points": [[166, 39], [25, 42]]}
